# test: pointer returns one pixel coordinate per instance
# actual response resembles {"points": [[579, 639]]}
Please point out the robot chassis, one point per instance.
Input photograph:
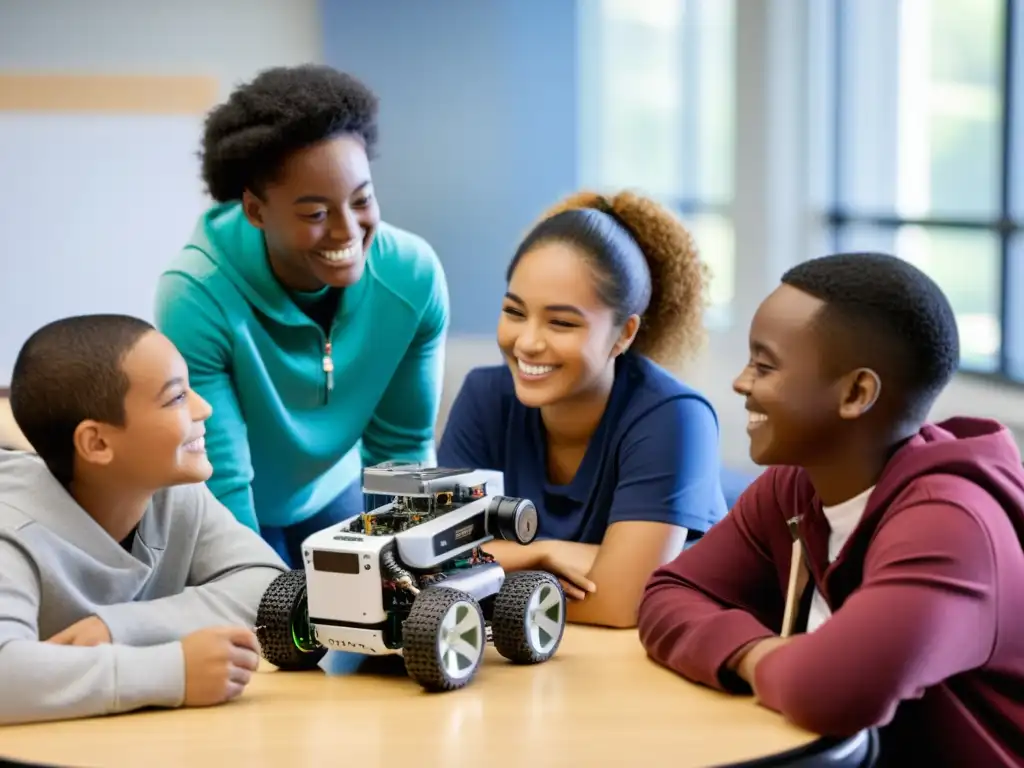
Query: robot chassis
{"points": [[410, 578]]}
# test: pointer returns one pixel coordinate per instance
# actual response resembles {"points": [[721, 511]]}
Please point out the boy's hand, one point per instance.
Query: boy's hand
{"points": [[219, 663], [88, 631], [747, 660]]}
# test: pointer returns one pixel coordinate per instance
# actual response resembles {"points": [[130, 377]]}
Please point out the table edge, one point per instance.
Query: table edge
{"points": [[787, 757]]}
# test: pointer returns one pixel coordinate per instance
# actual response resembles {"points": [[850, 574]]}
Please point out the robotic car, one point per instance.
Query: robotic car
{"points": [[410, 578]]}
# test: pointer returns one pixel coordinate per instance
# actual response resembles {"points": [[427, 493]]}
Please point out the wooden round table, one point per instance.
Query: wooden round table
{"points": [[599, 701]]}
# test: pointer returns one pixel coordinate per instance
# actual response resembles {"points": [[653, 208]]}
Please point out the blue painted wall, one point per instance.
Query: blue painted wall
{"points": [[478, 125]]}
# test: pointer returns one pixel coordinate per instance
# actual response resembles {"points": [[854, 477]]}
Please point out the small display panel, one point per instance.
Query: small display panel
{"points": [[335, 562]]}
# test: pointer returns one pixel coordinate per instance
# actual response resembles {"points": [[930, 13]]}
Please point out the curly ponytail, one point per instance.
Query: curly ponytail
{"points": [[669, 289]]}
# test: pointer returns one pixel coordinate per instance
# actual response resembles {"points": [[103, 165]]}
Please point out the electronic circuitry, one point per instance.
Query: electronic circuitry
{"points": [[400, 585], [409, 511]]}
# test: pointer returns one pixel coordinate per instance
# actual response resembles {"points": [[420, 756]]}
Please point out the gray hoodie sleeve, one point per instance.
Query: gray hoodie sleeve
{"points": [[231, 569], [40, 681]]}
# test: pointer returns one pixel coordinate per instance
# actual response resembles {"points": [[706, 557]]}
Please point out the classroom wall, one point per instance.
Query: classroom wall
{"points": [[228, 39], [478, 125], [94, 205]]}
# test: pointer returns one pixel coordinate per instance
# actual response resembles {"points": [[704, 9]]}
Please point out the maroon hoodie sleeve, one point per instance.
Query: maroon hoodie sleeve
{"points": [[926, 611], [717, 596]]}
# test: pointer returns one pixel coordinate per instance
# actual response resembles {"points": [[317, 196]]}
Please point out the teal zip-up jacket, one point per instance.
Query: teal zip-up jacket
{"points": [[297, 413]]}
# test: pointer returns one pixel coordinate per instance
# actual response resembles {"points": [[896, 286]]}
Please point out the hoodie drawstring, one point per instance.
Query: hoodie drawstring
{"points": [[328, 367]]}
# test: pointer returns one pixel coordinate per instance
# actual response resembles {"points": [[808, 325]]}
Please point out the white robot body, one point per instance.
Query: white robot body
{"points": [[413, 571]]}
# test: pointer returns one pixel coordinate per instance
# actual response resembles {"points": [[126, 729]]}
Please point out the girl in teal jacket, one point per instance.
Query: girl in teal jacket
{"points": [[314, 329]]}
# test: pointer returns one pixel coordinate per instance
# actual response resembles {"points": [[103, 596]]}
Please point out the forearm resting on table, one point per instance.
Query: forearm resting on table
{"points": [[517, 557], [603, 609], [56, 682], [615, 605], [629, 553], [231, 600], [614, 602]]}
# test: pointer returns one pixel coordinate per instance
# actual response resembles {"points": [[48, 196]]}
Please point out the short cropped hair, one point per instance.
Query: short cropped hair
{"points": [[67, 372], [284, 109], [888, 315]]}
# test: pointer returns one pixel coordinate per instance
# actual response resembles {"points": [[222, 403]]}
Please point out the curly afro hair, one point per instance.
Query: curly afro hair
{"points": [[647, 264], [884, 313], [282, 110]]}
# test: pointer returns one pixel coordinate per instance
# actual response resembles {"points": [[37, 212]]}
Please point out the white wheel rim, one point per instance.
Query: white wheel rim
{"points": [[544, 618], [460, 642]]}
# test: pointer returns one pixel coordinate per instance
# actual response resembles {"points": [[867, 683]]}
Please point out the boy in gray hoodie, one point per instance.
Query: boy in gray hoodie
{"points": [[123, 583]]}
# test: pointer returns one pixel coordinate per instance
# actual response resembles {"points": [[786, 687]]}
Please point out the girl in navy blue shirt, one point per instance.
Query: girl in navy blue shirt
{"points": [[619, 457]]}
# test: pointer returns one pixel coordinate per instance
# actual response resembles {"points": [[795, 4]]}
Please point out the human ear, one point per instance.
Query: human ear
{"points": [[860, 392], [627, 335], [91, 444], [253, 208]]}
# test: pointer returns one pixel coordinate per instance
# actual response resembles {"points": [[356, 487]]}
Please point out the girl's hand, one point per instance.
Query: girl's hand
{"points": [[574, 579]]}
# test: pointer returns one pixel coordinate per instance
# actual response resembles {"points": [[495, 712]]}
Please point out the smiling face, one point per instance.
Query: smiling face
{"points": [[797, 411], [319, 216], [161, 441], [558, 338]]}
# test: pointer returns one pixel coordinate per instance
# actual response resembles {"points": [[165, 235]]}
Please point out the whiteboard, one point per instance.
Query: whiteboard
{"points": [[92, 209]]}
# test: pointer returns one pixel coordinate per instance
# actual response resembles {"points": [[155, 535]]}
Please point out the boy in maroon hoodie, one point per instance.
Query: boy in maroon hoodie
{"points": [[906, 607]]}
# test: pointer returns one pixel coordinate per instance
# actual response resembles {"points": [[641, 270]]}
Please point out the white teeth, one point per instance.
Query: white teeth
{"points": [[756, 418], [194, 446], [343, 256], [534, 370]]}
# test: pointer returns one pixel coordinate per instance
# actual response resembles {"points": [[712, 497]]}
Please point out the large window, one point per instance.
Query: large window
{"points": [[658, 89], [926, 151]]}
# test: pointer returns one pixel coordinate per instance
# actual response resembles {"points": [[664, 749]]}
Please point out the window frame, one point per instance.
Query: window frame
{"points": [[688, 200], [1007, 226]]}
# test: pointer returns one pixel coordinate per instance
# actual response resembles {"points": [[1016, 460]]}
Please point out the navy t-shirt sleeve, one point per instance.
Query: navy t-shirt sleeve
{"points": [[473, 428], [669, 469]]}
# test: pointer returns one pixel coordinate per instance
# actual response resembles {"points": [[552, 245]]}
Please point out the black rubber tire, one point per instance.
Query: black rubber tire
{"points": [[283, 603], [421, 635], [510, 623]]}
